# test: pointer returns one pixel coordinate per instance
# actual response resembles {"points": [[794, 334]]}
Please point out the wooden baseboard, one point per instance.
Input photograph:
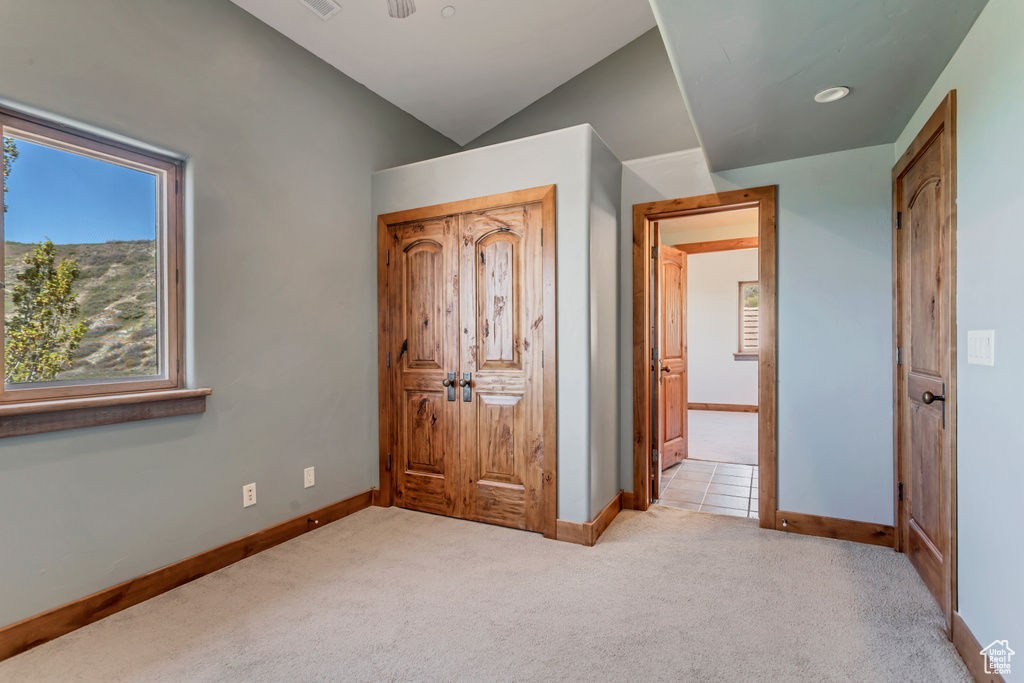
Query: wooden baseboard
{"points": [[970, 651], [829, 527], [588, 533], [727, 407], [28, 633]]}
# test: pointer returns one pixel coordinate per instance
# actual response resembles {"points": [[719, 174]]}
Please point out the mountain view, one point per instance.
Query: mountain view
{"points": [[117, 294]]}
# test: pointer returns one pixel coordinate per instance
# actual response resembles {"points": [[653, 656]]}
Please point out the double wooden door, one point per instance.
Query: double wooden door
{"points": [[925, 194], [465, 317]]}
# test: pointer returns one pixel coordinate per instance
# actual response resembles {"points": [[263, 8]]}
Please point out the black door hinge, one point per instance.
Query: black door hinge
{"points": [[654, 252], [899, 355], [389, 359], [899, 220], [899, 491], [387, 259], [176, 186], [388, 468]]}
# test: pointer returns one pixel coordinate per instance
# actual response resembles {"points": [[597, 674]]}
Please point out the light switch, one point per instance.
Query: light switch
{"points": [[981, 347]]}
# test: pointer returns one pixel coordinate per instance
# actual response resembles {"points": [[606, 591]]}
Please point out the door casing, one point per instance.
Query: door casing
{"points": [[644, 215], [386, 411], [943, 120]]}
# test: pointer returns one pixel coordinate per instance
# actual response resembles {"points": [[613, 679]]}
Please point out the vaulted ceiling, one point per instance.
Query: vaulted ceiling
{"points": [[465, 74], [748, 69]]}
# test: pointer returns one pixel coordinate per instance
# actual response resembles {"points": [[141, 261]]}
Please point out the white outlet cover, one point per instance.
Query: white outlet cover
{"points": [[981, 347], [309, 476], [249, 495]]}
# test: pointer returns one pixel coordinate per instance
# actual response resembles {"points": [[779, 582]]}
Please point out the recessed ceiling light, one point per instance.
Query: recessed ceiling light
{"points": [[832, 94], [448, 12]]}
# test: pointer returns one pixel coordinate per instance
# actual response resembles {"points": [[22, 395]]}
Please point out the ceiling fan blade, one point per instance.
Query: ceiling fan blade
{"points": [[400, 9]]}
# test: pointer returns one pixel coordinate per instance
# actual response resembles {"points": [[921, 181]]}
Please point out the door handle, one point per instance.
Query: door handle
{"points": [[467, 387], [664, 369], [450, 384], [929, 398]]}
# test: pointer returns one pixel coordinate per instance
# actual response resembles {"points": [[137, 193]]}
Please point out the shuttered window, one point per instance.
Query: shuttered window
{"points": [[749, 295]]}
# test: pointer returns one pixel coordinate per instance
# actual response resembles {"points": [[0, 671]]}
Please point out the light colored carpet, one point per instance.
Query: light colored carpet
{"points": [[393, 595], [723, 436]]}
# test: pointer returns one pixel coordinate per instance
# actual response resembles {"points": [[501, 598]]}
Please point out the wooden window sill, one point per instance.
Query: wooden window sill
{"points": [[37, 417], [744, 356]]}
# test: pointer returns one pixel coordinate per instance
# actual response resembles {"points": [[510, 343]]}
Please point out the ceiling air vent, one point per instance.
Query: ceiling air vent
{"points": [[325, 9]]}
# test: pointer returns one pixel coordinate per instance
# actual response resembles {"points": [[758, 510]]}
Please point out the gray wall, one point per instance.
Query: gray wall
{"points": [[281, 148], [565, 159], [834, 327], [605, 196], [631, 98], [988, 75]]}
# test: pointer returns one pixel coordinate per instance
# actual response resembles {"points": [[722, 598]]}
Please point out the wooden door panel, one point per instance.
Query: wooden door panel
{"points": [[502, 340], [425, 437], [672, 379], [672, 392], [499, 283], [500, 434], [423, 305], [925, 473], [927, 560], [925, 255], [924, 196]]}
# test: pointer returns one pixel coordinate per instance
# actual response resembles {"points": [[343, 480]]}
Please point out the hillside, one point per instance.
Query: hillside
{"points": [[117, 294]]}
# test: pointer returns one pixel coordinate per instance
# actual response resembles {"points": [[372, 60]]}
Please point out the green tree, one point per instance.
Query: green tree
{"points": [[10, 155], [41, 337]]}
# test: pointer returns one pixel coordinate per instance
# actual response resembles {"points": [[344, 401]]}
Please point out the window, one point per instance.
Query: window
{"points": [[748, 346], [92, 244]]}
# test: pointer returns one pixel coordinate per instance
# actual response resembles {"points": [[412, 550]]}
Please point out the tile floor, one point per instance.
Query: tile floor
{"points": [[716, 487]]}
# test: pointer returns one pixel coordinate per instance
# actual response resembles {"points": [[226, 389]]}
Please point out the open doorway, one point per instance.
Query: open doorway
{"points": [[704, 353], [708, 347]]}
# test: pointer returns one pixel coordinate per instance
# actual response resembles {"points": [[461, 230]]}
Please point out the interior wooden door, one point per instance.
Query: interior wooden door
{"points": [[502, 342], [423, 306], [672, 371], [925, 199]]}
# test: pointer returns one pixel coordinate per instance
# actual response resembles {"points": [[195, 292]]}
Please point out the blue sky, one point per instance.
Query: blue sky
{"points": [[74, 199]]}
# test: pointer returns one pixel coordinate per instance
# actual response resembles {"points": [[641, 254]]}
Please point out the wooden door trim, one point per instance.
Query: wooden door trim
{"points": [[718, 245], [546, 196], [943, 119], [763, 198]]}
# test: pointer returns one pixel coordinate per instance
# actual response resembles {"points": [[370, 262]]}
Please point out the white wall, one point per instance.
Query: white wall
{"points": [[835, 328], [284, 331], [713, 327], [988, 75], [566, 159]]}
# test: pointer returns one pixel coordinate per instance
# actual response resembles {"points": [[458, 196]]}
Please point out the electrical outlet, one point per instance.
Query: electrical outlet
{"points": [[249, 495], [309, 477]]}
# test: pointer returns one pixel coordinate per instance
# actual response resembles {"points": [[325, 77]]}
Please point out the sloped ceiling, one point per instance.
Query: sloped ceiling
{"points": [[464, 75], [749, 70]]}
